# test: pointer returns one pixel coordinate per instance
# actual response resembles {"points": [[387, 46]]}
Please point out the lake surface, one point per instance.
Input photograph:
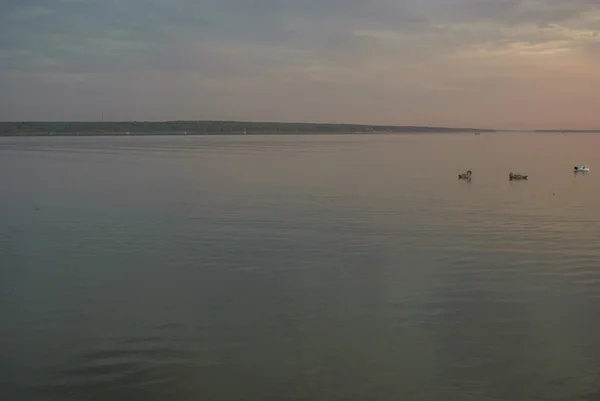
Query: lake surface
{"points": [[300, 268]]}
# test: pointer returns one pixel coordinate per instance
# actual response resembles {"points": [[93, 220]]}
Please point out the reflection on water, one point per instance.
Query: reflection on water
{"points": [[304, 268]]}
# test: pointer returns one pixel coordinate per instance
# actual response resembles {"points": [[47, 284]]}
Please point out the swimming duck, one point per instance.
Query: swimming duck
{"points": [[465, 176], [512, 176]]}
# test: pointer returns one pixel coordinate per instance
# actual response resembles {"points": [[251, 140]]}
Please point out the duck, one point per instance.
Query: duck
{"points": [[512, 176], [465, 176]]}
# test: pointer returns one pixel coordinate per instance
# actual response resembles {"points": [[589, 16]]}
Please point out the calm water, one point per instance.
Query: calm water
{"points": [[299, 268]]}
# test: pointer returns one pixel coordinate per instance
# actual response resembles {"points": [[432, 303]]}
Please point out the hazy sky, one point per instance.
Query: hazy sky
{"points": [[484, 63]]}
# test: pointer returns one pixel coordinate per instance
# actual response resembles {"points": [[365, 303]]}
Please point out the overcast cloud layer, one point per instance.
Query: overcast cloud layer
{"points": [[484, 63]]}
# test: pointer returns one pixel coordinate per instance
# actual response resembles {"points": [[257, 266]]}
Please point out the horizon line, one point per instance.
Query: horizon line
{"points": [[300, 123]]}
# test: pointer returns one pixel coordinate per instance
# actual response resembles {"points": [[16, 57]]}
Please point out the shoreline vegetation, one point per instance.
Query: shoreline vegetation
{"points": [[116, 128]]}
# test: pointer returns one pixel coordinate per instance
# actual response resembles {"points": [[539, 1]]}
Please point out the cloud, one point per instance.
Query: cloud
{"points": [[326, 60]]}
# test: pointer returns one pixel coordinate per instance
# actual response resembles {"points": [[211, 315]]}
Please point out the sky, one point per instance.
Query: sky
{"points": [[503, 64]]}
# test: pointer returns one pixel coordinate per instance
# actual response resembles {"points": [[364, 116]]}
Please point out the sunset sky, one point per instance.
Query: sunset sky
{"points": [[504, 64]]}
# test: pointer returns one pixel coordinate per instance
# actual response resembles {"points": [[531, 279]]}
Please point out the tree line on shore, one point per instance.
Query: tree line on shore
{"points": [[38, 128]]}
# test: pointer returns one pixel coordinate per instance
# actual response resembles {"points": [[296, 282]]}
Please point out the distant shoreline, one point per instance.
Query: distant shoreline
{"points": [[159, 133], [120, 128], [570, 131]]}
